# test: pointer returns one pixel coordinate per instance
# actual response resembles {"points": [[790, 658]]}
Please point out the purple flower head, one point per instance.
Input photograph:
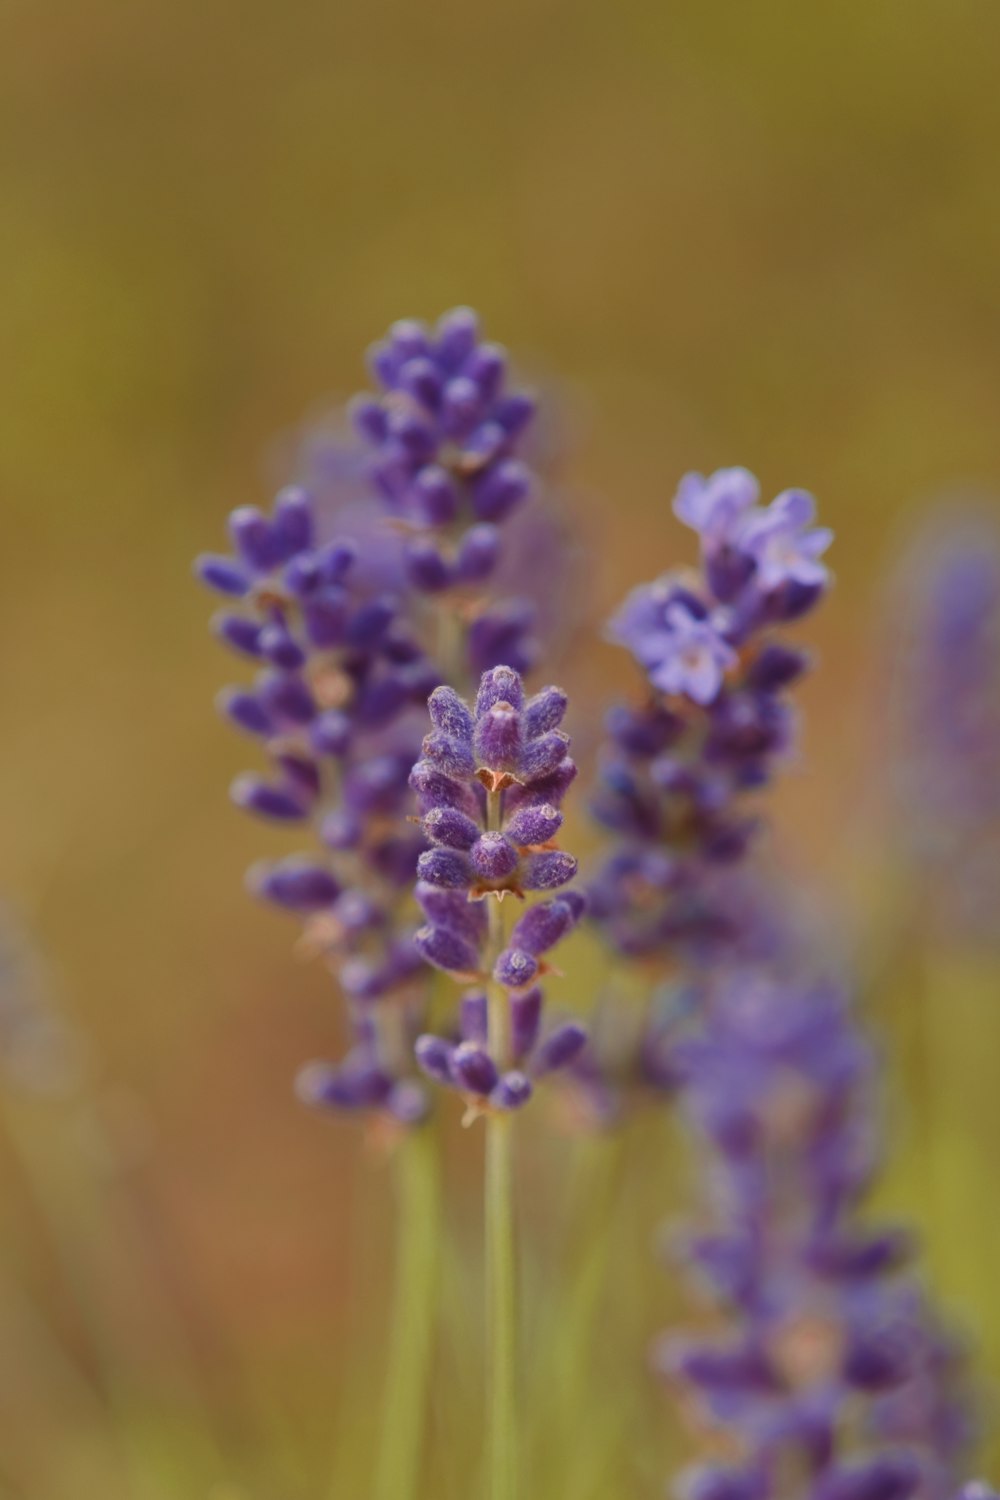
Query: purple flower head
{"points": [[489, 788], [444, 432], [681, 766]]}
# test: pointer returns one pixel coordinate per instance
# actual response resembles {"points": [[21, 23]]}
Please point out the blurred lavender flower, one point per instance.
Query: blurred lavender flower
{"points": [[946, 720], [339, 670], [489, 788], [832, 1373], [40, 1052]]}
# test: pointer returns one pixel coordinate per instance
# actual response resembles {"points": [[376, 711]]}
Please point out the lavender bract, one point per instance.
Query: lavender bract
{"points": [[489, 788]]}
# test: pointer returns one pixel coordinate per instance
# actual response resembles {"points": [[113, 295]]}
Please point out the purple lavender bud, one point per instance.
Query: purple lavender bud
{"points": [[436, 789], [514, 969], [280, 648], [420, 379], [336, 560], [455, 337], [493, 858], [498, 738], [534, 825], [355, 1085], [461, 406], [341, 829], [304, 575], [452, 757], [776, 667], [500, 685], [447, 950], [222, 574], [547, 870], [877, 1359], [443, 867], [325, 616], [544, 712], [451, 828], [486, 366], [370, 623], [512, 1092], [254, 539], [503, 634], [237, 631], [407, 1102], [434, 1056], [499, 489], [888, 1477], [542, 756], [544, 925], [330, 733], [369, 419], [297, 883], [473, 1069], [711, 1482], [245, 711], [515, 413], [559, 1048], [293, 520], [381, 701], [450, 715], [452, 908], [525, 1019], [268, 801], [478, 554], [434, 497], [427, 567], [287, 697], [474, 1017]]}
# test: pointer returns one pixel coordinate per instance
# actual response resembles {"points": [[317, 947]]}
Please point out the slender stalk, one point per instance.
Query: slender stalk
{"points": [[501, 1291], [413, 1309]]}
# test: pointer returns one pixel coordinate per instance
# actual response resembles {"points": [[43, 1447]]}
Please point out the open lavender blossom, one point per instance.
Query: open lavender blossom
{"points": [[489, 788]]}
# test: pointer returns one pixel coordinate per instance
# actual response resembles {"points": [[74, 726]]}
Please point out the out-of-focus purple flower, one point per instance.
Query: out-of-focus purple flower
{"points": [[944, 722], [683, 654], [489, 788], [716, 506], [822, 1317]]}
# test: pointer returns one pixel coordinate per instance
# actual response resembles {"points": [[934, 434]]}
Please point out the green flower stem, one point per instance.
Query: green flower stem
{"points": [[501, 1289], [414, 1302]]}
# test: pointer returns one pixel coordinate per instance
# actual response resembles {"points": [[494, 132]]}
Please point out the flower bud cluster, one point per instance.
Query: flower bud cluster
{"points": [[489, 788], [339, 675]]}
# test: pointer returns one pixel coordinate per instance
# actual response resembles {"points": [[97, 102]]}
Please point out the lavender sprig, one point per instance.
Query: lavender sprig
{"points": [[680, 768], [489, 788], [339, 668]]}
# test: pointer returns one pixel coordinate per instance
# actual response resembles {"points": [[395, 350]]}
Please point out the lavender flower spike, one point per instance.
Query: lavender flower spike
{"points": [[489, 789]]}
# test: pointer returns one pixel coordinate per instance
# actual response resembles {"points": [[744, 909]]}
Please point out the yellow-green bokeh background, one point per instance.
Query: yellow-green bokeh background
{"points": [[756, 231]]}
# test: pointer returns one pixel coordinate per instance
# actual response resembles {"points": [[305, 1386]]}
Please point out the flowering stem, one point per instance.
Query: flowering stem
{"points": [[501, 1294], [414, 1300]]}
